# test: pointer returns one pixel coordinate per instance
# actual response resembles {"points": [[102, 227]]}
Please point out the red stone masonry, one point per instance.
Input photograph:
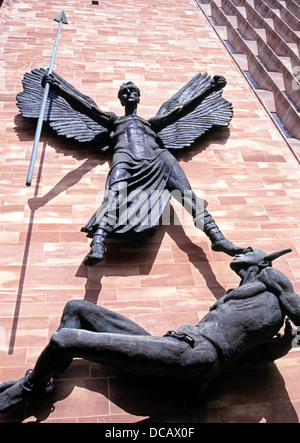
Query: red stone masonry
{"points": [[247, 174], [263, 37]]}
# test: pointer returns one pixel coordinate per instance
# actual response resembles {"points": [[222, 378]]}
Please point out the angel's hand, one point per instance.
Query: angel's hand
{"points": [[218, 82], [53, 82]]}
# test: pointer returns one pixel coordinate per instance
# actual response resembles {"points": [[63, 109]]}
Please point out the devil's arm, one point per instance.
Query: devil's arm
{"points": [[242, 292], [280, 345], [274, 281], [281, 286]]}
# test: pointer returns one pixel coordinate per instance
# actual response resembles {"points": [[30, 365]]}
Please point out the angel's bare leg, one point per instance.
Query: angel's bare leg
{"points": [[202, 219]]}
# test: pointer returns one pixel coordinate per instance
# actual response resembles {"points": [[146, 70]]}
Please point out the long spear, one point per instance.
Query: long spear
{"points": [[61, 18]]}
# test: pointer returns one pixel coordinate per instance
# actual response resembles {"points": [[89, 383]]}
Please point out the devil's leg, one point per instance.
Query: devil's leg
{"points": [[78, 315]]}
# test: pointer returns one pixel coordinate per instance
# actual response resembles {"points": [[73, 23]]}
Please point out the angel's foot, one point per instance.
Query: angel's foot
{"points": [[15, 392], [96, 254], [218, 241], [225, 245]]}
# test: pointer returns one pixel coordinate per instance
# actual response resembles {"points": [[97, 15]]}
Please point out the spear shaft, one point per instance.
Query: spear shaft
{"points": [[61, 18]]}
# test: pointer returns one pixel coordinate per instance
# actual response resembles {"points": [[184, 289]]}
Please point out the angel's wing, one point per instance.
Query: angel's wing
{"points": [[213, 111], [61, 116]]}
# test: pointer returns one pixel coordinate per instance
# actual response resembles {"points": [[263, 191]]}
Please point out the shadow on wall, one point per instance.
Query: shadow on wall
{"points": [[145, 254]]}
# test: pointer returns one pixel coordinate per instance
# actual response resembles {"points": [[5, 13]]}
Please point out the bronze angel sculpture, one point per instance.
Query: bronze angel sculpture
{"points": [[144, 173]]}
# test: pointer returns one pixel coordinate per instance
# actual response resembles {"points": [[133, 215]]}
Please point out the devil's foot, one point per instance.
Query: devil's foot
{"points": [[11, 394], [96, 254], [226, 246], [6, 385], [14, 392]]}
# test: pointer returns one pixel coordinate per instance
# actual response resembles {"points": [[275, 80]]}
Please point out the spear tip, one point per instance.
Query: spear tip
{"points": [[61, 18]]}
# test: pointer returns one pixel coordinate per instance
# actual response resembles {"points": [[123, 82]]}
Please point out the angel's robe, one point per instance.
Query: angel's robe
{"points": [[136, 191]]}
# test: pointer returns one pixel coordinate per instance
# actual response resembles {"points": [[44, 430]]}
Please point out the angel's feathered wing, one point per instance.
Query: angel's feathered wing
{"points": [[213, 111], [59, 114]]}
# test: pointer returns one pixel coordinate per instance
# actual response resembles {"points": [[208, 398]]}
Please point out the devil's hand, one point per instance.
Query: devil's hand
{"points": [[288, 331]]}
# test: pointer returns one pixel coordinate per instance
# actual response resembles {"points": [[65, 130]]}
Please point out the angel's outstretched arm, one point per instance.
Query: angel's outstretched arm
{"points": [[217, 83], [82, 103]]}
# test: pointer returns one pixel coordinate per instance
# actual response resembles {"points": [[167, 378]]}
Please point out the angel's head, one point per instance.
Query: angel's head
{"points": [[129, 93]]}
